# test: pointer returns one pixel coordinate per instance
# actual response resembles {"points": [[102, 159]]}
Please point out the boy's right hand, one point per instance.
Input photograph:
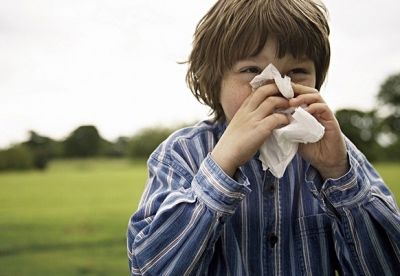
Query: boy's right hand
{"points": [[251, 125]]}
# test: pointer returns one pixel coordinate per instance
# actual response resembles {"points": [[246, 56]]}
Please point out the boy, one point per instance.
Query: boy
{"points": [[209, 208]]}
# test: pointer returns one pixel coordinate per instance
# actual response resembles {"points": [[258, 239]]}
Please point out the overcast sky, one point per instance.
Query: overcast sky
{"points": [[113, 63]]}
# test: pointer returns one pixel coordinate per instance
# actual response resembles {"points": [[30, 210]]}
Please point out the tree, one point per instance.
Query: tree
{"points": [[362, 128], [85, 141], [120, 148], [389, 93], [147, 140], [18, 157], [41, 148], [389, 101]]}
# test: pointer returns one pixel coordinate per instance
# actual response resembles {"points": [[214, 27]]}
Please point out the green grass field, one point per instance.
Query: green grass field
{"points": [[69, 220], [72, 218]]}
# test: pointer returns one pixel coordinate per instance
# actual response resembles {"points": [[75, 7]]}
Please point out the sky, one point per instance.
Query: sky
{"points": [[115, 64]]}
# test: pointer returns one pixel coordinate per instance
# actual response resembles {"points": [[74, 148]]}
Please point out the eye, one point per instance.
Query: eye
{"points": [[297, 71], [252, 70]]}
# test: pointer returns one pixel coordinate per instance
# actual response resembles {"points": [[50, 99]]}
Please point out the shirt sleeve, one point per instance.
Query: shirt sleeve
{"points": [[368, 233], [180, 217]]}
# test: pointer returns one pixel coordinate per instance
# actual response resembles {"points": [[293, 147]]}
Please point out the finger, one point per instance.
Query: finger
{"points": [[299, 89], [261, 94], [272, 103], [274, 120], [321, 111], [307, 99]]}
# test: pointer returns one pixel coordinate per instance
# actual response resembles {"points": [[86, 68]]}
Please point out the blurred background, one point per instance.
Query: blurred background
{"points": [[89, 88], [114, 64]]}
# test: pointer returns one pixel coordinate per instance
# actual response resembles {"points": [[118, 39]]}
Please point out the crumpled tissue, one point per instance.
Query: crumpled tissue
{"points": [[281, 146]]}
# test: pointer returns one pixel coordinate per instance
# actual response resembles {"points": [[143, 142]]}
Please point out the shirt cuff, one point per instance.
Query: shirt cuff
{"points": [[351, 189], [217, 190]]}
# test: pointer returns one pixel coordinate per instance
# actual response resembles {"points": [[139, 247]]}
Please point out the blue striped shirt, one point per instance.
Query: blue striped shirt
{"points": [[195, 220]]}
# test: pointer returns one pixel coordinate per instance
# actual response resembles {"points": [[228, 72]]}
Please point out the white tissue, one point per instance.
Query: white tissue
{"points": [[281, 146], [269, 73]]}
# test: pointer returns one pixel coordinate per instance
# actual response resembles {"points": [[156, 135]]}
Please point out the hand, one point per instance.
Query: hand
{"points": [[249, 128], [328, 155]]}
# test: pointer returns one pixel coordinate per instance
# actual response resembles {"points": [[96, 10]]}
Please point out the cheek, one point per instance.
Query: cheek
{"points": [[309, 84], [232, 97]]}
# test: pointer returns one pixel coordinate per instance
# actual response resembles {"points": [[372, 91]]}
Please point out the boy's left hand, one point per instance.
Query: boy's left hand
{"points": [[328, 155]]}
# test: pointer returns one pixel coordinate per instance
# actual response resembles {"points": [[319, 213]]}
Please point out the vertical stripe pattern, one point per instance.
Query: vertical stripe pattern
{"points": [[193, 219]]}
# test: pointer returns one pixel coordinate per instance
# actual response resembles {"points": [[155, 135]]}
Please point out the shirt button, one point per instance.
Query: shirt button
{"points": [[272, 239], [271, 189]]}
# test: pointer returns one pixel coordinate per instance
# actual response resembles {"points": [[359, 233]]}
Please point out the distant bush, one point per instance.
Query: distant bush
{"points": [[362, 128], [42, 149], [85, 141], [19, 157], [118, 149], [146, 141]]}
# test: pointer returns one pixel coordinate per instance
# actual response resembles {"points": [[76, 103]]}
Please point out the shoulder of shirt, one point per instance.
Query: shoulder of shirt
{"points": [[199, 139], [354, 151]]}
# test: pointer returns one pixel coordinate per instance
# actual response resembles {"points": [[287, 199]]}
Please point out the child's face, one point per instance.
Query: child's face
{"points": [[235, 86]]}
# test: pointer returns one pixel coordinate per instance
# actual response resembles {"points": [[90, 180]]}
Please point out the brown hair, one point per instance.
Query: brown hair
{"points": [[233, 30]]}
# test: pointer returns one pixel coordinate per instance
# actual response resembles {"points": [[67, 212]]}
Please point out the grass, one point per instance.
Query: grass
{"points": [[69, 220], [390, 172], [72, 218]]}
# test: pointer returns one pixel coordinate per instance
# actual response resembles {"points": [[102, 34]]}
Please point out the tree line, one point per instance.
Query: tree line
{"points": [[376, 133], [83, 142]]}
